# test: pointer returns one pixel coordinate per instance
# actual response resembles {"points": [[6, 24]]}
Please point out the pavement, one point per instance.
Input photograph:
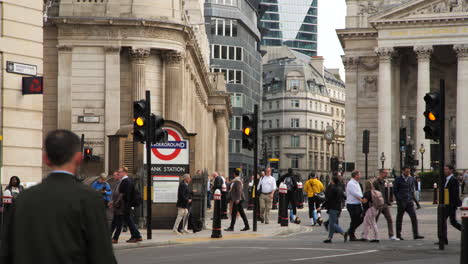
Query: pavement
{"points": [[303, 244]]}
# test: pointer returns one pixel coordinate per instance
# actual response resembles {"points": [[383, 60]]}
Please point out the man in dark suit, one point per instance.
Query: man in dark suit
{"points": [[237, 197], [450, 209], [183, 201], [60, 220]]}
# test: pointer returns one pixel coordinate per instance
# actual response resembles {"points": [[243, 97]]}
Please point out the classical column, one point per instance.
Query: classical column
{"points": [[385, 105], [112, 98], [424, 86], [64, 86], [174, 91], [139, 56], [462, 107], [350, 148], [221, 143], [396, 103]]}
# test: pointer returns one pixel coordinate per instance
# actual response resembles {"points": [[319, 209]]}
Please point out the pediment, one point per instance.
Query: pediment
{"points": [[423, 9]]}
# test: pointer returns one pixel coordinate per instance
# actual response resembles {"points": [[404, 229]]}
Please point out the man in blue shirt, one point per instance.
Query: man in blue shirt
{"points": [[403, 189]]}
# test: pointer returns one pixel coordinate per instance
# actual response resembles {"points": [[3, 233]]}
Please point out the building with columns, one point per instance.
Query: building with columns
{"points": [[301, 100], [395, 52], [101, 56], [21, 43]]}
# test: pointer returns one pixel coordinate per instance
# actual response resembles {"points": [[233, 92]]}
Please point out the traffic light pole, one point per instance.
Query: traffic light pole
{"points": [[255, 170], [440, 208], [149, 182]]}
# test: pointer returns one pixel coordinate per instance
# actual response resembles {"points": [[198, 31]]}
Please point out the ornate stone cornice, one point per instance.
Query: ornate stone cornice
{"points": [[351, 62], [369, 63], [139, 54], [64, 48], [112, 49], [461, 50], [385, 53], [173, 56], [423, 52]]}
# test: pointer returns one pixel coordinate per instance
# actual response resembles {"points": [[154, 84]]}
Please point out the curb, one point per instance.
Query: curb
{"points": [[145, 244]]}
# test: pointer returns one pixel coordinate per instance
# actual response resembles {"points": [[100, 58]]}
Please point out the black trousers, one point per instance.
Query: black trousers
{"points": [[355, 212], [116, 226], [313, 204], [238, 208], [224, 204], [291, 199], [408, 207], [450, 212]]}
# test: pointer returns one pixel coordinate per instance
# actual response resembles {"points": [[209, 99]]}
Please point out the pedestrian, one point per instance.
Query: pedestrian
{"points": [[403, 190], [289, 179], [237, 197], [465, 182], [313, 187], [418, 190], [183, 201], [353, 204], [129, 198], [103, 188], [208, 193], [116, 205], [450, 209], [334, 197], [13, 189], [415, 194], [373, 202], [379, 185], [266, 188], [59, 220]]}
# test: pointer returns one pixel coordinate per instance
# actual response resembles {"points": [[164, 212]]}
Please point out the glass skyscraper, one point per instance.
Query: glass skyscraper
{"points": [[292, 23]]}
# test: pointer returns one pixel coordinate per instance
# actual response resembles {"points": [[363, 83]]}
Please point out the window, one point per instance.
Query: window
{"points": [[295, 103], [270, 105], [277, 141], [316, 106], [227, 52], [234, 145], [337, 112], [294, 161], [232, 76], [310, 123], [316, 126], [239, 54], [322, 125], [236, 123], [295, 141], [295, 123], [294, 85], [332, 110], [270, 123], [231, 52], [277, 123], [342, 113], [224, 52], [237, 100], [278, 104], [326, 108], [223, 2]]}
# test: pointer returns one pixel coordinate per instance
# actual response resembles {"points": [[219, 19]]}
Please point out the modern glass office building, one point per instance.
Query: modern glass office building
{"points": [[292, 23]]}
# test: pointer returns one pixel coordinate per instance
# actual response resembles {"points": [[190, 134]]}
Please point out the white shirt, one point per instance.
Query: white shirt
{"points": [[267, 183], [448, 179], [353, 192]]}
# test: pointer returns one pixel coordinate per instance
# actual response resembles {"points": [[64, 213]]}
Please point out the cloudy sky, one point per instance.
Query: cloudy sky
{"points": [[331, 17]]}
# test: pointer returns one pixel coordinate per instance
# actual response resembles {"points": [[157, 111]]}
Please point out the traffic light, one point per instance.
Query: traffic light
{"points": [[433, 115], [402, 137], [158, 134], [87, 153], [365, 141], [139, 120], [248, 132]]}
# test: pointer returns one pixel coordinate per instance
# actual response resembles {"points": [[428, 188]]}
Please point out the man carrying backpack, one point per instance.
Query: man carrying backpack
{"points": [[130, 199], [291, 183]]}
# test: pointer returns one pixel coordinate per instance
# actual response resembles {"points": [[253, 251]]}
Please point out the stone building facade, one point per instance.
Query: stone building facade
{"points": [[395, 52], [101, 56], [301, 99], [234, 38], [21, 41]]}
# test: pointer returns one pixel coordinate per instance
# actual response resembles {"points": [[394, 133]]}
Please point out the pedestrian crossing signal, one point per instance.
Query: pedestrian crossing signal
{"points": [[87, 153]]}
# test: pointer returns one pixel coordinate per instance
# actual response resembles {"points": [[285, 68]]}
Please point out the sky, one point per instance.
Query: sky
{"points": [[331, 16]]}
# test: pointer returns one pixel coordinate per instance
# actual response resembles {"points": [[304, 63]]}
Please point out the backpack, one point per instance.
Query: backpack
{"points": [[377, 200], [289, 183]]}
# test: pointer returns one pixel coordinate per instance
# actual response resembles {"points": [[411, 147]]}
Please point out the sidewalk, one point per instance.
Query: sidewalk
{"points": [[167, 237]]}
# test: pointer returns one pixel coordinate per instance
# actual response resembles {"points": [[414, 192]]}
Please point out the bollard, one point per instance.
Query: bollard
{"points": [[224, 204], [435, 194], [464, 232], [275, 202], [216, 231], [299, 196], [284, 204], [279, 206]]}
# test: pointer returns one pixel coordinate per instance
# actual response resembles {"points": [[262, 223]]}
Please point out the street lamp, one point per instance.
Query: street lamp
{"points": [[382, 159], [453, 147], [422, 150]]}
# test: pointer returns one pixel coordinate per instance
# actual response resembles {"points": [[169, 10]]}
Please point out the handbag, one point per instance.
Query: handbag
{"points": [[320, 196]]}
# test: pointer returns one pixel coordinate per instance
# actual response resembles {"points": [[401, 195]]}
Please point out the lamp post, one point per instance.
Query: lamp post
{"points": [[422, 150], [453, 147], [382, 159]]}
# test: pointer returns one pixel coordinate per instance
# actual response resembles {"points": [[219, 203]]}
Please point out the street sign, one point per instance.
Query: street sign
{"points": [[21, 68]]}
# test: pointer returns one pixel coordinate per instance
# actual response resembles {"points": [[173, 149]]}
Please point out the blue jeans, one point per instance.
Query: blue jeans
{"points": [[208, 199], [333, 226]]}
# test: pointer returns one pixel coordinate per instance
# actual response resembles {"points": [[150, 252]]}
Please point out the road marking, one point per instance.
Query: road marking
{"points": [[270, 248], [336, 256]]}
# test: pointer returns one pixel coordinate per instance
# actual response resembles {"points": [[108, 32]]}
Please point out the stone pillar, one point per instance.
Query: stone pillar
{"points": [[139, 56], [112, 98], [385, 106], [221, 143], [424, 86], [64, 84], [174, 91], [462, 108], [350, 148], [396, 104]]}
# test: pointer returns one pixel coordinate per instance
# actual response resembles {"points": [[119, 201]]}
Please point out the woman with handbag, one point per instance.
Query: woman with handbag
{"points": [[315, 195]]}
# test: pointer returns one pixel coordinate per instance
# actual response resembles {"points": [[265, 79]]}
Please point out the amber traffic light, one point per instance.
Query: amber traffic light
{"points": [[433, 115]]}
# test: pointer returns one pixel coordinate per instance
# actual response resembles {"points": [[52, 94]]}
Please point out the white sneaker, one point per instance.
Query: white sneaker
{"points": [[176, 232], [185, 231], [394, 238]]}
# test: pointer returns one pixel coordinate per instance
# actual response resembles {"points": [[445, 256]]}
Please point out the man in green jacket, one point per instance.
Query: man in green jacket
{"points": [[60, 220]]}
